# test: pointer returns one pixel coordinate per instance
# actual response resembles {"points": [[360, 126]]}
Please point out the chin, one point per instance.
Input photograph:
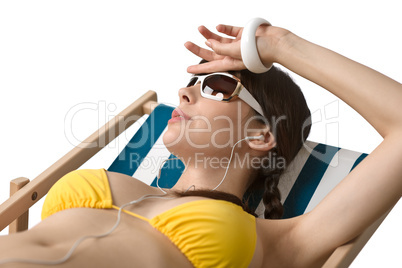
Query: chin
{"points": [[179, 145], [173, 141]]}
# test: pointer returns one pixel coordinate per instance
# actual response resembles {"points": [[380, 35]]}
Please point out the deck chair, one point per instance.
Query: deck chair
{"points": [[316, 170]]}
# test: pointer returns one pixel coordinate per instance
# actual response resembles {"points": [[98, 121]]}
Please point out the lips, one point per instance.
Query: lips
{"points": [[178, 115]]}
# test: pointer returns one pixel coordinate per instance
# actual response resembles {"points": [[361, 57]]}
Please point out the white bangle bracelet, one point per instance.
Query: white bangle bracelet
{"points": [[248, 47]]}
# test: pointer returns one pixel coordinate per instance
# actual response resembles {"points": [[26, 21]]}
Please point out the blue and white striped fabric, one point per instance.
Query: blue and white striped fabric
{"points": [[145, 152], [316, 170]]}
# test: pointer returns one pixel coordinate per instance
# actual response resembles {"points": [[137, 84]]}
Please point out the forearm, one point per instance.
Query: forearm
{"points": [[375, 184], [375, 96]]}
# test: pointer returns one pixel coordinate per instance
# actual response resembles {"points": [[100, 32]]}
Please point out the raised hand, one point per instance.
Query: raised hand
{"points": [[225, 54]]}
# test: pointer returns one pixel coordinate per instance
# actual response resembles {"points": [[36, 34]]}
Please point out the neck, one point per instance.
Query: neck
{"points": [[208, 174]]}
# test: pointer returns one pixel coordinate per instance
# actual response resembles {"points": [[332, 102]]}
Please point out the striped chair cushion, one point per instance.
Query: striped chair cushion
{"points": [[316, 170]]}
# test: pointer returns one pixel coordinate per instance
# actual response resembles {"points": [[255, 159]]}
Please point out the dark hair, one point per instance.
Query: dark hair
{"points": [[219, 195], [289, 118], [285, 107]]}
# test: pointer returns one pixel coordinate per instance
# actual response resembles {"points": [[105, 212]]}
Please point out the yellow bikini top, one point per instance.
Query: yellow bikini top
{"points": [[210, 233]]}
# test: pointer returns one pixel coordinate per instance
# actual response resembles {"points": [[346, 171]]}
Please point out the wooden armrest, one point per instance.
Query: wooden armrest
{"points": [[20, 223], [23, 199], [149, 106]]}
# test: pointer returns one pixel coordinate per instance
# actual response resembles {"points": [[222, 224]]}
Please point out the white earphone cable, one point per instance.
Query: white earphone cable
{"points": [[81, 239], [230, 160]]}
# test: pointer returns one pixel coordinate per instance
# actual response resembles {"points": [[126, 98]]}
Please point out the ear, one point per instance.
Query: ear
{"points": [[263, 145]]}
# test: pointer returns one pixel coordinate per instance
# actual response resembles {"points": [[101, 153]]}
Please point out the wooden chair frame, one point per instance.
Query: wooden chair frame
{"points": [[25, 193]]}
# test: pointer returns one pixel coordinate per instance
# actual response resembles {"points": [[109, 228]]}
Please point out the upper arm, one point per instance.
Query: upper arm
{"points": [[370, 190]]}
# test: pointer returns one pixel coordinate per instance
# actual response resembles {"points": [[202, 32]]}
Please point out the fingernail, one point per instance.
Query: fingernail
{"points": [[208, 43]]}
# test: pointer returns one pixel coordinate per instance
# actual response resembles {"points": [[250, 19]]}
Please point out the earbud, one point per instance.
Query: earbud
{"points": [[261, 137]]}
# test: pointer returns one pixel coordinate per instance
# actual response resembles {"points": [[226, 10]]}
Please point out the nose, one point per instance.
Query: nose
{"points": [[188, 94]]}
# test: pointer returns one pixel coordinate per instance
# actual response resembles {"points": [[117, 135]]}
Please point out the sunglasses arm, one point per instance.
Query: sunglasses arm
{"points": [[250, 100]]}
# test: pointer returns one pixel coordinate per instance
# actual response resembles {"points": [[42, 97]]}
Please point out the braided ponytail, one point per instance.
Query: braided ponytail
{"points": [[286, 109], [272, 198], [268, 179]]}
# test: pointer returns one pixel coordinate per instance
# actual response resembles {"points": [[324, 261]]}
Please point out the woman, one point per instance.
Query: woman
{"points": [[274, 126]]}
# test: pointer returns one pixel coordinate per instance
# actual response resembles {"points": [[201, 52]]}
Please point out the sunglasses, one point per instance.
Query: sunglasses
{"points": [[224, 87]]}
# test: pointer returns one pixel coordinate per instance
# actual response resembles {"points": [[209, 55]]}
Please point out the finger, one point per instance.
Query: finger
{"points": [[215, 66], [226, 49], [202, 52], [226, 64], [210, 35], [229, 30]]}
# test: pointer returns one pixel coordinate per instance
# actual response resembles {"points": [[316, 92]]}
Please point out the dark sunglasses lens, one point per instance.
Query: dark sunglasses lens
{"points": [[192, 82], [216, 84]]}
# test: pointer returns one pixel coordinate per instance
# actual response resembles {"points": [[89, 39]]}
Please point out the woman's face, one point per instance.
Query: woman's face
{"points": [[205, 126]]}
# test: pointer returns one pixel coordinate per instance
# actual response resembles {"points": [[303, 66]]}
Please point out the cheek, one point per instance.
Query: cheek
{"points": [[201, 134], [210, 131], [188, 135]]}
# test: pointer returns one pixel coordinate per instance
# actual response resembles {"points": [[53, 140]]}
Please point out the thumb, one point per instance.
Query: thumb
{"points": [[225, 49]]}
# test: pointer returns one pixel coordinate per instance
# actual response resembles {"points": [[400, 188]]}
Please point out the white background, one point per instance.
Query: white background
{"points": [[55, 55]]}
